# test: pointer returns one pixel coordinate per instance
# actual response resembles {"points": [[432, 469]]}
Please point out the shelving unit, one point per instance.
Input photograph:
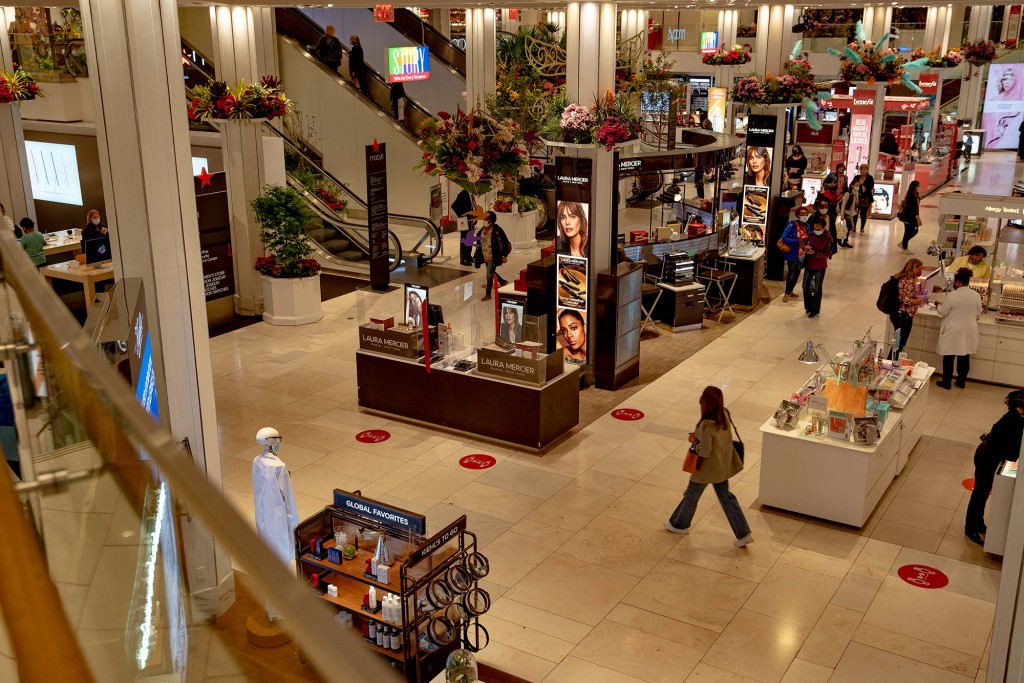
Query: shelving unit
{"points": [[1011, 303]]}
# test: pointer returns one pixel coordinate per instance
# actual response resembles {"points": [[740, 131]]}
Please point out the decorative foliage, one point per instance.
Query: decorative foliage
{"points": [[526, 204], [864, 60], [937, 60], [737, 54], [332, 196], [475, 150], [283, 213], [576, 123], [521, 95], [607, 122], [795, 86], [18, 86], [980, 52], [240, 102]]}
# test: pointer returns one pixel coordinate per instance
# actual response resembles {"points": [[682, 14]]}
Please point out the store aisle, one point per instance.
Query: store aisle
{"points": [[586, 583]]}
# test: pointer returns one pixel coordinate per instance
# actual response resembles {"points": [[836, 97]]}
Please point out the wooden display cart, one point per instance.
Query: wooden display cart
{"points": [[417, 563]]}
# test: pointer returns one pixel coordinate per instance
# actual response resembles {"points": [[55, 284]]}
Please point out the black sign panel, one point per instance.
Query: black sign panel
{"points": [[215, 235], [218, 272], [388, 515], [761, 130], [377, 214], [437, 541]]}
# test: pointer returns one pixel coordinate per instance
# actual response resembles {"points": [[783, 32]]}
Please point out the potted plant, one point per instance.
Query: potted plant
{"points": [[18, 86], [240, 102], [291, 278]]}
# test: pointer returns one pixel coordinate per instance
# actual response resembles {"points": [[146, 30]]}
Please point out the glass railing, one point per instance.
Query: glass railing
{"points": [[103, 512]]}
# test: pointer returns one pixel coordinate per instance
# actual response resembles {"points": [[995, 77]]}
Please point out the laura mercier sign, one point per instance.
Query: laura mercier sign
{"points": [[391, 342]]}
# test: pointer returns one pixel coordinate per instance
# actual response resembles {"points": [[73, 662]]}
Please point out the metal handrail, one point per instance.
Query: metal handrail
{"points": [[101, 393]]}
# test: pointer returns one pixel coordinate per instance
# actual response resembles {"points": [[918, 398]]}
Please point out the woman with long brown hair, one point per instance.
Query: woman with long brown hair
{"points": [[903, 319], [573, 229], [717, 461]]}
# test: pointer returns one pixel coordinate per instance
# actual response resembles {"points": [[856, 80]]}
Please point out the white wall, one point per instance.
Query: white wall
{"points": [[346, 126], [194, 24], [441, 93]]}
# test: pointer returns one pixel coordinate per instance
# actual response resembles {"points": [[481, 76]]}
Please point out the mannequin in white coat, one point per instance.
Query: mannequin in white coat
{"points": [[276, 514], [958, 335]]}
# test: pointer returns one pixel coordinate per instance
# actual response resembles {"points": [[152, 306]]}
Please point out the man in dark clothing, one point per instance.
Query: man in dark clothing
{"points": [[397, 93], [356, 65], [1002, 443], [462, 205], [328, 48]]}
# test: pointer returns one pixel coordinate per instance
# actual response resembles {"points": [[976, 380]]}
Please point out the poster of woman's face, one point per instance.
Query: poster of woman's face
{"points": [[572, 335], [758, 170], [573, 222], [415, 296], [1004, 103], [511, 328]]}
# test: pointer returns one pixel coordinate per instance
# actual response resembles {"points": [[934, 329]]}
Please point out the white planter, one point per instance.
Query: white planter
{"points": [[291, 301], [521, 228]]}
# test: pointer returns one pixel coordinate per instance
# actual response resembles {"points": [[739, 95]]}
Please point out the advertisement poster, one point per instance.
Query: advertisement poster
{"points": [[838, 153], [716, 108], [408, 64], [572, 245], [1013, 26], [884, 195], [699, 95], [757, 169], [383, 13], [415, 297], [861, 113], [511, 329], [708, 42], [1004, 105], [377, 214], [755, 213], [572, 282]]}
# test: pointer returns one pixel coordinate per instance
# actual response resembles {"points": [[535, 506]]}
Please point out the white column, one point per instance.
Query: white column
{"points": [[142, 133], [244, 48], [480, 56], [970, 91], [930, 26], [558, 19], [590, 48], [727, 20], [947, 25], [775, 38], [15, 189], [880, 22], [441, 20]]}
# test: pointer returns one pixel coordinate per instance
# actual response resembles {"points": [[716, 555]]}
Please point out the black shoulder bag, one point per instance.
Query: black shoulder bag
{"points": [[738, 441]]}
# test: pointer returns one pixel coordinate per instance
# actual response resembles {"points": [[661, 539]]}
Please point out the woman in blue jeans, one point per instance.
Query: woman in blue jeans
{"points": [[717, 460], [794, 237], [817, 252]]}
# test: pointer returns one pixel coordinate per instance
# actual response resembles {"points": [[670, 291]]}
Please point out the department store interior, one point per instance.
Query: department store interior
{"points": [[306, 373]]}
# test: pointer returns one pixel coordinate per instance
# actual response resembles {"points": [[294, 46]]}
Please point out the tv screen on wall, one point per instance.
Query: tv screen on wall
{"points": [[53, 171]]}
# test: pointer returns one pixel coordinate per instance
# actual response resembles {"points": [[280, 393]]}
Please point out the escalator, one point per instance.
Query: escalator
{"points": [[294, 27], [420, 32]]}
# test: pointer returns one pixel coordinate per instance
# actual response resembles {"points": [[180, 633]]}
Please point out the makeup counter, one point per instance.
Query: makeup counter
{"points": [[834, 446]]}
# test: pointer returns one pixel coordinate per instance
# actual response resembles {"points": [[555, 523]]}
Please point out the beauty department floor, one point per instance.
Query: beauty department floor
{"points": [[587, 585]]}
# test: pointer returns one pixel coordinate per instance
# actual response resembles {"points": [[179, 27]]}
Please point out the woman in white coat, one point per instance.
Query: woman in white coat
{"points": [[958, 335]]}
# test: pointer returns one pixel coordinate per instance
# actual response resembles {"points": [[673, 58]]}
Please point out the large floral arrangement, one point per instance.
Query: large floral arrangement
{"points": [[475, 150], [521, 95], [795, 86], [864, 60], [576, 123], [608, 121], [937, 60], [737, 54], [240, 102], [283, 214], [980, 52], [18, 86]]}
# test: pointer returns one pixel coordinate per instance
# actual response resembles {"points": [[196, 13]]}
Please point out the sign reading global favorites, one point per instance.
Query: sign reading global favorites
{"points": [[572, 223], [388, 515], [408, 64]]}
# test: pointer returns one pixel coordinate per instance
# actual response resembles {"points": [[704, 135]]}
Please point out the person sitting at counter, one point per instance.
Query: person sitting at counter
{"points": [[33, 242], [958, 335], [94, 226], [974, 261], [1001, 443]]}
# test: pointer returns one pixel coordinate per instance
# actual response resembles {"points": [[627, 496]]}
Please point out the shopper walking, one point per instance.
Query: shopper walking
{"points": [[867, 195], [493, 250], [328, 49], [717, 461], [958, 333], [817, 250], [848, 211], [356, 65], [910, 214], [903, 319], [33, 242], [827, 208], [794, 237], [1000, 444], [397, 93]]}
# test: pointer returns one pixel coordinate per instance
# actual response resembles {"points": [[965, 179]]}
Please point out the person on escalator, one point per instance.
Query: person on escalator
{"points": [[356, 65], [328, 48], [397, 93]]}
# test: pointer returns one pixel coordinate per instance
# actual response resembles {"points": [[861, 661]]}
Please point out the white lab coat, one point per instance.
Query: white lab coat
{"points": [[276, 513], [958, 335]]}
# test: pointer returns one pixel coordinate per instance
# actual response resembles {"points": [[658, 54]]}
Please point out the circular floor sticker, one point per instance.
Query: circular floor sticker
{"points": [[968, 483], [629, 414], [477, 461], [923, 576], [373, 436]]}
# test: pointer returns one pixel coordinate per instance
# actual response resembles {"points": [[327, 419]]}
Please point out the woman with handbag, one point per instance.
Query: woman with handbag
{"points": [[791, 244], [910, 214], [847, 222], [713, 458]]}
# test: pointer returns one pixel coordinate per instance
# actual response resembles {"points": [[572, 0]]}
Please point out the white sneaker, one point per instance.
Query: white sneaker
{"points": [[675, 530], [745, 541]]}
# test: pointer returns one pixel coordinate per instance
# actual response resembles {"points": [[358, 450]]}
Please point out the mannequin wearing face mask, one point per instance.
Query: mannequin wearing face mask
{"points": [[817, 250], [276, 512], [94, 227]]}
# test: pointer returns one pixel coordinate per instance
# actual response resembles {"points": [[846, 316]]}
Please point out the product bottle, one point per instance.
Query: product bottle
{"points": [[380, 637], [373, 630], [372, 604], [394, 639]]}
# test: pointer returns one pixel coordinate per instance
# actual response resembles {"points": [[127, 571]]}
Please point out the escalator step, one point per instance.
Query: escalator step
{"points": [[352, 255], [337, 246]]}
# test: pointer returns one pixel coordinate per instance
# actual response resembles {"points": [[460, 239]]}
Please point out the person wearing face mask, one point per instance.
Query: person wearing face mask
{"points": [[817, 251], [94, 227], [867, 195], [910, 301], [794, 237], [958, 335], [973, 261], [828, 209]]}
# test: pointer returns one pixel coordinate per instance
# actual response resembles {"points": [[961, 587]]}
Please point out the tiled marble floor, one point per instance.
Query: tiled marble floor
{"points": [[587, 584]]}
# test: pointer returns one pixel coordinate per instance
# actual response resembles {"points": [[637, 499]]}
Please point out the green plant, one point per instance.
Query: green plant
{"points": [[283, 214]]}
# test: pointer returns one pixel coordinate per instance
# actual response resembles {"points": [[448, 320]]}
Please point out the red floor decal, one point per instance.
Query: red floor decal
{"points": [[968, 483], [922, 576], [627, 414], [373, 436], [477, 461]]}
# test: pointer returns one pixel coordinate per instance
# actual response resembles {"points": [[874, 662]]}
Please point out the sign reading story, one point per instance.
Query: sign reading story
{"points": [[388, 515], [757, 176], [708, 42], [377, 214], [572, 224], [408, 64]]}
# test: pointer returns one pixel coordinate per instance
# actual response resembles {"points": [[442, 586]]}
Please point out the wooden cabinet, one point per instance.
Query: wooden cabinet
{"points": [[617, 317]]}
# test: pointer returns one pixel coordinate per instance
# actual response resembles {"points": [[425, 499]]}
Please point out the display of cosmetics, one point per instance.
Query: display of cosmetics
{"points": [[387, 637], [391, 609]]}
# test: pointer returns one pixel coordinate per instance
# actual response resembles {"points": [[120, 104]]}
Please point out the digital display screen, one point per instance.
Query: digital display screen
{"points": [[1004, 105], [53, 171], [199, 164], [408, 64]]}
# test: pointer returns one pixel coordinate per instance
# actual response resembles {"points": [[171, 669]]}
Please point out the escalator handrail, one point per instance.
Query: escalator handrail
{"points": [[422, 33], [313, 31], [192, 48], [358, 200]]}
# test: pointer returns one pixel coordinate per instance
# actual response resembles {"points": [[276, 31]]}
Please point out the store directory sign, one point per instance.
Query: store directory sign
{"points": [[377, 214], [408, 64], [572, 224]]}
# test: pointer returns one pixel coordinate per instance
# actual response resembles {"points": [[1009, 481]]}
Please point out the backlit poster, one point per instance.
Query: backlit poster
{"points": [[408, 64], [572, 244], [757, 176], [1004, 105], [415, 297], [1013, 26], [708, 42], [861, 113], [716, 108]]}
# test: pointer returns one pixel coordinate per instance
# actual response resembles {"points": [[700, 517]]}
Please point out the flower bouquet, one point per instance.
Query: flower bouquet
{"points": [[475, 151], [980, 52], [331, 196], [240, 102], [732, 57], [268, 265], [937, 60], [864, 60], [576, 123], [18, 86], [795, 86], [607, 122]]}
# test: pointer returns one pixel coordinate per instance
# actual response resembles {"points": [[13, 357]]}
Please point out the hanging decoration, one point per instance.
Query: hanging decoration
{"points": [[795, 86], [937, 60], [980, 52], [864, 60], [735, 56], [18, 86]]}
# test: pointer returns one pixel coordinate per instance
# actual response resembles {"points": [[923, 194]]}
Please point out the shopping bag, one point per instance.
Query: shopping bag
{"points": [[690, 462]]}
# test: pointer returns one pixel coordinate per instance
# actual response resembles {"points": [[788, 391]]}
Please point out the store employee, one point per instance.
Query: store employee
{"points": [[975, 261]]}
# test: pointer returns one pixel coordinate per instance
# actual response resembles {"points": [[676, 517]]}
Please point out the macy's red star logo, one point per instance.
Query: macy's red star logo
{"points": [[376, 145], [204, 178]]}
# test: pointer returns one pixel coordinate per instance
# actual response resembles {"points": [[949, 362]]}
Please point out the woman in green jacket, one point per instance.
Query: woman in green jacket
{"points": [[717, 460]]}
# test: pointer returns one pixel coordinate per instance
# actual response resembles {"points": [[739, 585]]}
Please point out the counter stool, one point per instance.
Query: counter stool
{"points": [[649, 287], [710, 274]]}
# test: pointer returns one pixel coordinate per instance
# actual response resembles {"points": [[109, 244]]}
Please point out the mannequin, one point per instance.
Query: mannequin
{"points": [[276, 513]]}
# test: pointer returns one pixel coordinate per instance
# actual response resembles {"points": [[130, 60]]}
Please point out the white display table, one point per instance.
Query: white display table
{"points": [[837, 480], [999, 508], [999, 357]]}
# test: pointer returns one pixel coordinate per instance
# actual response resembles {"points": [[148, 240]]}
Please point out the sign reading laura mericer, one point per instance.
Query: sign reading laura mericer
{"points": [[391, 342]]}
